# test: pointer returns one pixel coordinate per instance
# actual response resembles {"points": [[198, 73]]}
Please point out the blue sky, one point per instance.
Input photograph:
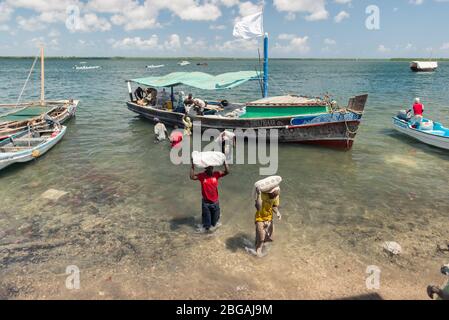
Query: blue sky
{"points": [[297, 28]]}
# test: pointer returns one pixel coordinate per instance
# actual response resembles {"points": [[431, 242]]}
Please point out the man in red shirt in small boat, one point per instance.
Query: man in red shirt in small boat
{"points": [[418, 110]]}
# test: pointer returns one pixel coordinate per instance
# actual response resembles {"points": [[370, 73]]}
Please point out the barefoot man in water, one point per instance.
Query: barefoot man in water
{"points": [[209, 189], [266, 204]]}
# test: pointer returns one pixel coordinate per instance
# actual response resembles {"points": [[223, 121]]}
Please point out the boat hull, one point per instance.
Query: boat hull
{"points": [[60, 114], [335, 133], [7, 159], [402, 126], [416, 69]]}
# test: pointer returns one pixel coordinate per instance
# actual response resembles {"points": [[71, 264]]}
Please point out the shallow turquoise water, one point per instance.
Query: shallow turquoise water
{"points": [[112, 169]]}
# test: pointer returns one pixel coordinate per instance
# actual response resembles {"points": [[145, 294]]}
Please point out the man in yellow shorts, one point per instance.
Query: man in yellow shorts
{"points": [[267, 203]]}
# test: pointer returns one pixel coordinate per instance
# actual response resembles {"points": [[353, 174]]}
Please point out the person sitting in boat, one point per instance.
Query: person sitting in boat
{"points": [[164, 97], [188, 103], [152, 96], [180, 108], [199, 106], [139, 94], [418, 110]]}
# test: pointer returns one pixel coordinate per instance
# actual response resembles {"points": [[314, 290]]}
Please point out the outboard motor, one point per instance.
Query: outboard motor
{"points": [[405, 115]]}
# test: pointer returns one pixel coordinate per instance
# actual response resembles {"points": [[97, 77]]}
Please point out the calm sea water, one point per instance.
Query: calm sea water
{"points": [[128, 205]]}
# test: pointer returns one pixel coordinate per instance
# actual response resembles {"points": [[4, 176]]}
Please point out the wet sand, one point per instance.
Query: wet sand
{"points": [[124, 250]]}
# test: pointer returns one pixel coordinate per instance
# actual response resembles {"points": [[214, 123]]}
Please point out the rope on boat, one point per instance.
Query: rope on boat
{"points": [[22, 91], [26, 82]]}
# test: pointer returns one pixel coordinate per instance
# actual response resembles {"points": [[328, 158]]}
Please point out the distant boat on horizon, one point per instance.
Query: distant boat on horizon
{"points": [[83, 66], [423, 66], [155, 66], [183, 63]]}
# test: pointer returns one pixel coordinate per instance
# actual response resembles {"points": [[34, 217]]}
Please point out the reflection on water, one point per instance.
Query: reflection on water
{"points": [[128, 221]]}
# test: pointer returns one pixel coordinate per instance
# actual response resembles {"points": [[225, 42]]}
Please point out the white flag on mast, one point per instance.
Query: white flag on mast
{"points": [[249, 27]]}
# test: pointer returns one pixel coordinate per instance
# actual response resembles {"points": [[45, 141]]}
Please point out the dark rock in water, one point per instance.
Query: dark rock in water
{"points": [[443, 247], [93, 209], [8, 291], [26, 228]]}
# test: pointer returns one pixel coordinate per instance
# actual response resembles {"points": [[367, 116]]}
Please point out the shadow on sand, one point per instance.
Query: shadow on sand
{"points": [[239, 242], [369, 296], [177, 223]]}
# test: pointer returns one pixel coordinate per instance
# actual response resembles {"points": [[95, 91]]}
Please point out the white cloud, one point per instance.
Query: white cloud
{"points": [[237, 45], [137, 43], [91, 22], [416, 2], [290, 16], [54, 33], [383, 49], [5, 12], [30, 24], [342, 15], [286, 36], [173, 43], [130, 14], [247, 8], [343, 1], [188, 41], [330, 42], [295, 44], [217, 27], [316, 9], [445, 46]]}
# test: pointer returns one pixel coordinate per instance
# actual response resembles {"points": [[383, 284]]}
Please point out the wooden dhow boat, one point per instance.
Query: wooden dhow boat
{"points": [[298, 119], [23, 115], [28, 145]]}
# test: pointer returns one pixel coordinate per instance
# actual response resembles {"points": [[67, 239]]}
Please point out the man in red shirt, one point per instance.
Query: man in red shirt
{"points": [[209, 189], [418, 107], [418, 110]]}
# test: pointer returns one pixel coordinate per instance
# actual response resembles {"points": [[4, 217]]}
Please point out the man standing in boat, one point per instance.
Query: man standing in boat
{"points": [[418, 110], [209, 188]]}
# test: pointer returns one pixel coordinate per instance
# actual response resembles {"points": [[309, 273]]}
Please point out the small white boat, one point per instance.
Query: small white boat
{"points": [[29, 145], [86, 67], [155, 66], [423, 66], [183, 63], [431, 133]]}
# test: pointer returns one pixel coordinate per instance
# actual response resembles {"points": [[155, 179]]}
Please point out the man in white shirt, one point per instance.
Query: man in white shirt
{"points": [[160, 131]]}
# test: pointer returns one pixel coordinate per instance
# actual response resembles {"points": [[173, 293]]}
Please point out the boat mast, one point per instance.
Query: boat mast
{"points": [[42, 77], [265, 65]]}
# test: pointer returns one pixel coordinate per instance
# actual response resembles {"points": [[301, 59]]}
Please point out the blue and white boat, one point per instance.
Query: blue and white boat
{"points": [[429, 132], [29, 145]]}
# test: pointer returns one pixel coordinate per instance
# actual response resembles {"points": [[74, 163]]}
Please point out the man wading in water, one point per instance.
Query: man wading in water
{"points": [[209, 189], [267, 203]]}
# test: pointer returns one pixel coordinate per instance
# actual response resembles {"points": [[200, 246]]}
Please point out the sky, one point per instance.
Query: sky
{"points": [[203, 28]]}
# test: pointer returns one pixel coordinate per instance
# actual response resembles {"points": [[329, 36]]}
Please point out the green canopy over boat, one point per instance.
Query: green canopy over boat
{"points": [[24, 113], [200, 80]]}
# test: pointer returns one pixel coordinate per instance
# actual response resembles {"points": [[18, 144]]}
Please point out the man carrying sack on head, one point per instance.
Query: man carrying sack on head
{"points": [[267, 203]]}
